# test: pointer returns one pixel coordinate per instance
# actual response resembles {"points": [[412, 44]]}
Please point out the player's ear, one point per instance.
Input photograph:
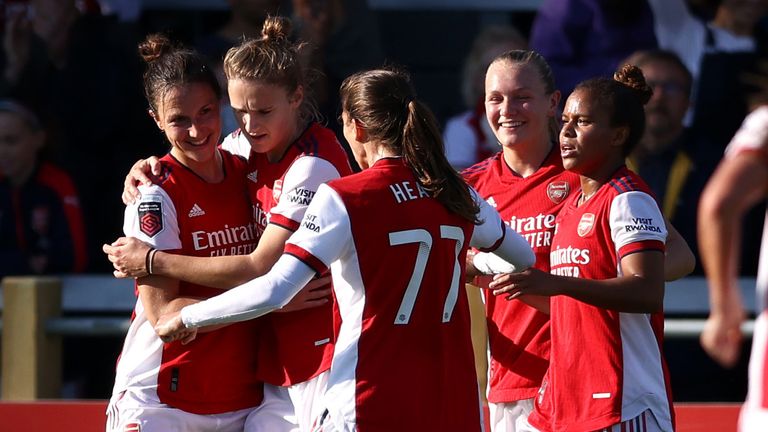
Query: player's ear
{"points": [[155, 117], [361, 133]]}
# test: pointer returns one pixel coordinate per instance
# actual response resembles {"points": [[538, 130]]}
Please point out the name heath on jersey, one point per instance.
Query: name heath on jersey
{"points": [[223, 241], [406, 191]]}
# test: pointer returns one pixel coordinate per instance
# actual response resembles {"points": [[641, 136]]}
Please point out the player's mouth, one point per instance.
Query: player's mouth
{"points": [[199, 142], [567, 150], [511, 124]]}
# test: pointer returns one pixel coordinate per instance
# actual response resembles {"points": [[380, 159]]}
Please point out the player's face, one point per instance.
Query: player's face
{"points": [[189, 117], [517, 106], [18, 146], [587, 140], [267, 114]]}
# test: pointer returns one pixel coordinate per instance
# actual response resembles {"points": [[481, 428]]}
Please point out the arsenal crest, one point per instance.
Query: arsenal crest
{"points": [[277, 190], [557, 191], [585, 224], [150, 218]]}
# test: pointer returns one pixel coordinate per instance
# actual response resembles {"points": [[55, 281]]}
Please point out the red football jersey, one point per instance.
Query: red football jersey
{"points": [[403, 359], [216, 372], [605, 366], [295, 346], [518, 334]]}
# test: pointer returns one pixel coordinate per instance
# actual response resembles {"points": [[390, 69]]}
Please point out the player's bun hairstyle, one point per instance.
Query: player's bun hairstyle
{"points": [[384, 103], [623, 97], [170, 65], [273, 59]]}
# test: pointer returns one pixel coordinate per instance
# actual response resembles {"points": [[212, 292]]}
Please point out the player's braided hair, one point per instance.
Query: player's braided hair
{"points": [[383, 101]]}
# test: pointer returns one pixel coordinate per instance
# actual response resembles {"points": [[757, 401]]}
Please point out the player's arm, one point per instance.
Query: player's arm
{"points": [[679, 260], [639, 287], [132, 258], [502, 249], [738, 183], [328, 237], [639, 290]]}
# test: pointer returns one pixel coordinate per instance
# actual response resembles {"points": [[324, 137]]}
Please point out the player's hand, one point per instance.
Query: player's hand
{"points": [[128, 257], [171, 328], [531, 281], [316, 293], [721, 337], [143, 172]]}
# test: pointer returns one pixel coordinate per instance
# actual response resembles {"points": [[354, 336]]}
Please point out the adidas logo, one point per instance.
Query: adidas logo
{"points": [[252, 176], [491, 202], [196, 211]]}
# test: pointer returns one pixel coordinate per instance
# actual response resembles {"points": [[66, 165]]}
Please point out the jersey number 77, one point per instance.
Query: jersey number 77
{"points": [[424, 239]]}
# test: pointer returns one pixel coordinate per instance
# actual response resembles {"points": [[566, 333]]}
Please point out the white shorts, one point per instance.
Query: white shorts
{"points": [[645, 422], [290, 409], [128, 412], [754, 416], [503, 416], [275, 412]]}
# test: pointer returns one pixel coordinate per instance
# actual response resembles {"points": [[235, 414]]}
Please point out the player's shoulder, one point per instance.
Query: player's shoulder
{"points": [[320, 142], [625, 180], [317, 140], [481, 169]]}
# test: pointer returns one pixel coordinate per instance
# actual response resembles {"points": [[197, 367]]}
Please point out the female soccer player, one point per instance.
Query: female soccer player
{"points": [[528, 186], [395, 238], [199, 207], [289, 156], [606, 286]]}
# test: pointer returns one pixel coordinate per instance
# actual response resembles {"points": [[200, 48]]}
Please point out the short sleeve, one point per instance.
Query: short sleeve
{"points": [[153, 219], [237, 144], [325, 231], [636, 223], [752, 136], [300, 185]]}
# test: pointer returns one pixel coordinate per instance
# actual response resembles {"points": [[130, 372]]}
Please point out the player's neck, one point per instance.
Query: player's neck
{"points": [[525, 160]]}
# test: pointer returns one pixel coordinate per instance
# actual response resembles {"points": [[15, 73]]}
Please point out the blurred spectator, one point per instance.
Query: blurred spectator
{"points": [[41, 225], [245, 21], [343, 37], [468, 137], [666, 156], [718, 52], [80, 71], [588, 38]]}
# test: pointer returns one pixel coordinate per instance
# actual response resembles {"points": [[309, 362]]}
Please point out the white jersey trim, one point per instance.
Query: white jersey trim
{"points": [[301, 183], [168, 237]]}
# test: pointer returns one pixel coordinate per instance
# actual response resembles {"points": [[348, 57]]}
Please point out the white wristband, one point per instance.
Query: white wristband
{"points": [[489, 263]]}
